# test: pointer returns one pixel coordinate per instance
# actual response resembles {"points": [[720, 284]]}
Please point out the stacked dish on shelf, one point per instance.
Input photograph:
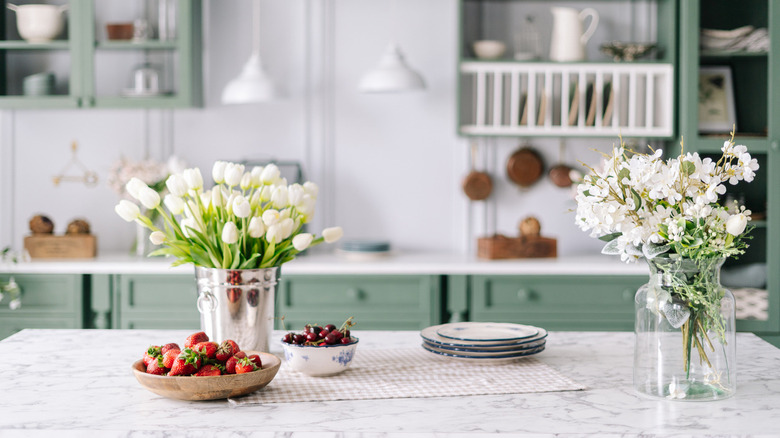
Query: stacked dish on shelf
{"points": [[483, 342]]}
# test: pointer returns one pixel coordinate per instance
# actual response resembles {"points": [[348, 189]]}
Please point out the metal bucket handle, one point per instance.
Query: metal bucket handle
{"points": [[206, 298]]}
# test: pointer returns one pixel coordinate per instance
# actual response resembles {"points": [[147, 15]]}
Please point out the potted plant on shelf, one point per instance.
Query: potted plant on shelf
{"points": [[237, 234], [668, 213]]}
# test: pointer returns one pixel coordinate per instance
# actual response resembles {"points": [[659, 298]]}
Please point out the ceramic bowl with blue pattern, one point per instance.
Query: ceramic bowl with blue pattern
{"points": [[325, 360]]}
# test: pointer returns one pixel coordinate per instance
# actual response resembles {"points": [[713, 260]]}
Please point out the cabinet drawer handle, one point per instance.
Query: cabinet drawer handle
{"points": [[524, 295], [354, 293]]}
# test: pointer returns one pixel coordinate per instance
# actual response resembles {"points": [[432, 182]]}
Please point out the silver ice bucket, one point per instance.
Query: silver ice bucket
{"points": [[237, 304]]}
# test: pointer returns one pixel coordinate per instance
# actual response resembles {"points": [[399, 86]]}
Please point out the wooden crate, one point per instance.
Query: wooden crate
{"points": [[502, 247], [48, 246]]}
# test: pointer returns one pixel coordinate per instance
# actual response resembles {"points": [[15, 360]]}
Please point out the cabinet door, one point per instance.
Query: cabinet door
{"points": [[390, 302], [557, 303], [48, 301], [156, 301]]}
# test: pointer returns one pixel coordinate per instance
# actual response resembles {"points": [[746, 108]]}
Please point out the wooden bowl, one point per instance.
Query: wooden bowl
{"points": [[209, 388]]}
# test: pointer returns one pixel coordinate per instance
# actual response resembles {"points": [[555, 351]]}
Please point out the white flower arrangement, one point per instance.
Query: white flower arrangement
{"points": [[151, 172], [644, 206], [248, 220]]}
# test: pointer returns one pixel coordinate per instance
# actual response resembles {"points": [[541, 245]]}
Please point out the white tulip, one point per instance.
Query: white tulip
{"points": [[205, 198], [295, 194], [279, 197], [246, 181], [175, 165], [287, 227], [134, 187], [256, 227], [157, 237], [149, 198], [174, 204], [736, 224], [274, 234], [241, 207], [127, 210], [311, 188], [233, 174], [257, 181], [177, 185], [306, 208], [302, 241], [284, 214], [218, 171], [193, 178], [270, 174], [187, 225], [254, 201], [191, 209], [332, 234], [230, 233], [270, 217], [217, 197], [265, 193]]}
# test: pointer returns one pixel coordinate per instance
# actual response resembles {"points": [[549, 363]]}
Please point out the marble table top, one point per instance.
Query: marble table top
{"points": [[78, 383]]}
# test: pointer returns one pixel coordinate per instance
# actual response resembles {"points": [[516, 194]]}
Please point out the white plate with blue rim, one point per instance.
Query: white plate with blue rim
{"points": [[486, 331], [430, 334], [501, 349], [489, 359]]}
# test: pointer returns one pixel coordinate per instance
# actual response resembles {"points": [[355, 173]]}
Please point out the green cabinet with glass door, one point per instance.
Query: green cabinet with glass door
{"points": [[47, 301], [755, 86], [94, 72]]}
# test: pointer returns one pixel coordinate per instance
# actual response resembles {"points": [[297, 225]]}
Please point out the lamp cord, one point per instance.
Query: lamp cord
{"points": [[256, 28]]}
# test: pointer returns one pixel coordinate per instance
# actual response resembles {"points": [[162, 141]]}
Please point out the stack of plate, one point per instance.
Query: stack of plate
{"points": [[483, 342]]}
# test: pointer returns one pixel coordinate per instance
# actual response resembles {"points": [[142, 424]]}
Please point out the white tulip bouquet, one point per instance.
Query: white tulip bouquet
{"points": [[247, 220]]}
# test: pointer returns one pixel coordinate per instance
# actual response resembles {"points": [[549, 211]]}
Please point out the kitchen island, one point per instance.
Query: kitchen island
{"points": [[78, 383]]}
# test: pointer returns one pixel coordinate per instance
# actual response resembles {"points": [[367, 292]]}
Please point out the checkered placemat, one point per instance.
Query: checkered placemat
{"points": [[408, 373]]}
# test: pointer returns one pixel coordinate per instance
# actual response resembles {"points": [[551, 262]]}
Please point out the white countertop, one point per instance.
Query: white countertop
{"points": [[393, 264], [82, 386]]}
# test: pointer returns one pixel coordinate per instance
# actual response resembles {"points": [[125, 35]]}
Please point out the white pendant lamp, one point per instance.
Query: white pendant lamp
{"points": [[253, 84], [392, 75]]}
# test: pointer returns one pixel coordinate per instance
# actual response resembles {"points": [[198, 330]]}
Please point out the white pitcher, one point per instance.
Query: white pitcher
{"points": [[568, 39]]}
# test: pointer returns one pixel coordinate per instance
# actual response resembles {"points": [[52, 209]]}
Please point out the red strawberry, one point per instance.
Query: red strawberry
{"points": [[236, 349], [256, 360], [195, 338], [208, 370], [171, 346], [150, 354], [156, 367], [245, 365], [169, 357], [207, 349], [226, 350], [186, 363], [230, 365]]}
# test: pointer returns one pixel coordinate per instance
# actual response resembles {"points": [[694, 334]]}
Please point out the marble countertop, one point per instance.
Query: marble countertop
{"points": [[330, 263], [78, 383]]}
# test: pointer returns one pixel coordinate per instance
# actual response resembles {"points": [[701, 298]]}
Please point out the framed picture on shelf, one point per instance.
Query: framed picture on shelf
{"points": [[716, 100]]}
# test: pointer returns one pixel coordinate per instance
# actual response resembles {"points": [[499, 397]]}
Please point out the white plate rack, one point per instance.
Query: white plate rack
{"points": [[603, 99]]}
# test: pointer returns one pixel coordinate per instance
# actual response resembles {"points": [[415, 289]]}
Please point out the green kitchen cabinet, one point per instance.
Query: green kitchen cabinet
{"points": [[146, 301], [755, 76], [94, 72], [48, 301], [378, 302], [563, 302]]}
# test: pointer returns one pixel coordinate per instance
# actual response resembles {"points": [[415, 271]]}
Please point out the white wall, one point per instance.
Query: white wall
{"points": [[390, 165]]}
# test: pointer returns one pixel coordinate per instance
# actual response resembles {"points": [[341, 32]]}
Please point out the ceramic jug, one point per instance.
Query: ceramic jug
{"points": [[568, 40]]}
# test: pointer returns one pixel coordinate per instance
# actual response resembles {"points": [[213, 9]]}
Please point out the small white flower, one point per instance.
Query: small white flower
{"points": [[177, 185], [257, 181], [265, 193], [217, 197], [332, 234], [279, 197], [274, 234], [157, 237], [149, 198], [270, 217], [127, 210], [218, 171], [241, 207], [246, 181], [134, 187], [287, 226], [311, 189], [193, 178], [736, 224], [233, 174], [173, 203], [295, 194], [230, 233], [256, 227], [270, 174], [302, 241]]}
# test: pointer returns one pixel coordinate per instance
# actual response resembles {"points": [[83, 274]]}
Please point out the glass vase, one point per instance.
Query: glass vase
{"points": [[685, 347]]}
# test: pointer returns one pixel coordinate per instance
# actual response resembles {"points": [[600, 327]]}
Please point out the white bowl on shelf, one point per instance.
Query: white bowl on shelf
{"points": [[39, 23], [489, 49]]}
